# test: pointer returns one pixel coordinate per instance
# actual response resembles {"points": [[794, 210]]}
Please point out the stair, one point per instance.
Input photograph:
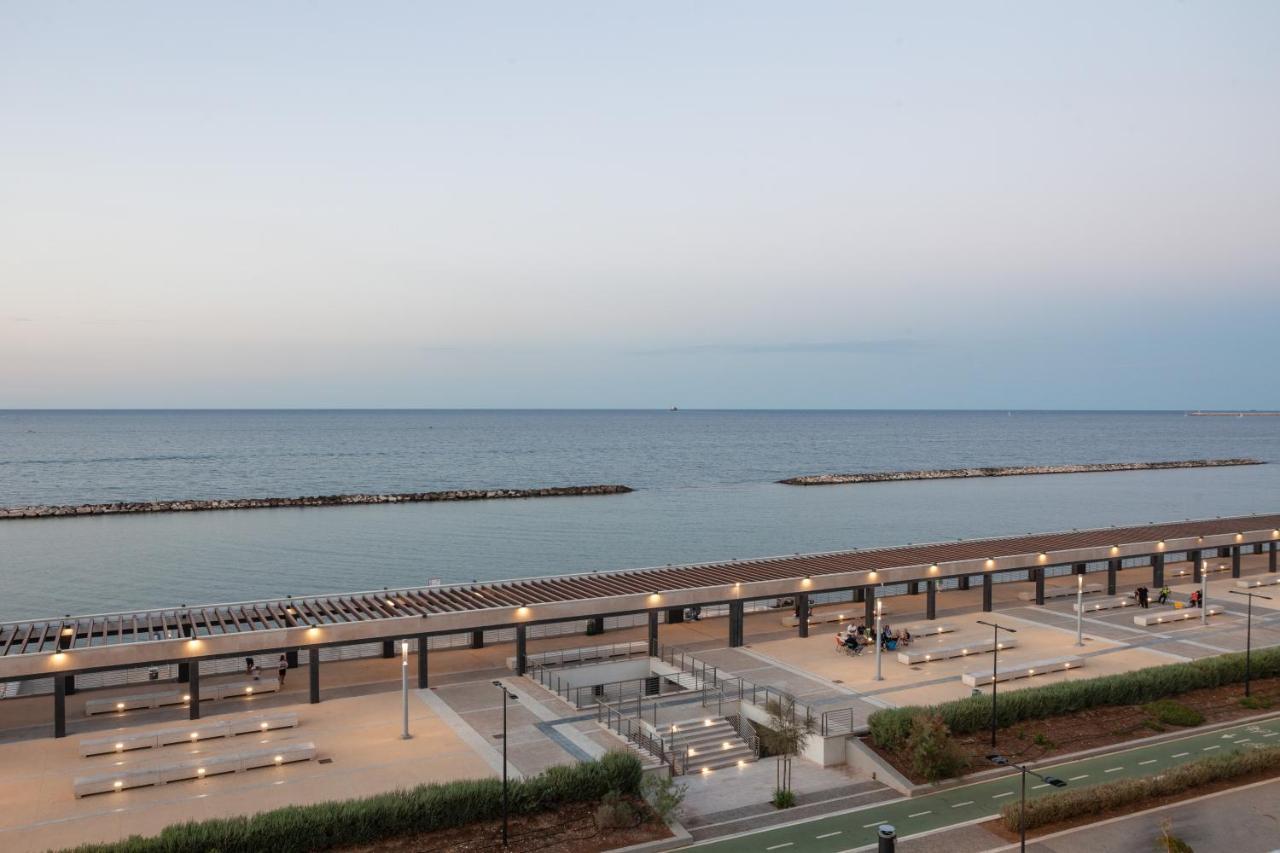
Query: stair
{"points": [[713, 743]]}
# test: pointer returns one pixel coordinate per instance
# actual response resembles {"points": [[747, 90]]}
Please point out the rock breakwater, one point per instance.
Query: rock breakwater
{"points": [[1013, 471], [62, 511]]}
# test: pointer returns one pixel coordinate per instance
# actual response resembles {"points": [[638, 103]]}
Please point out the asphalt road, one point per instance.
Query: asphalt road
{"points": [[913, 815]]}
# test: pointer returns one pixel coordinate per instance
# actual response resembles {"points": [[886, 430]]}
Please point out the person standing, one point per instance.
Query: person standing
{"points": [[1164, 595], [282, 668]]}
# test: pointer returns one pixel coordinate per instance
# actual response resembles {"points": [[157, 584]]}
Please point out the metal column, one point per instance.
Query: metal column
{"points": [[931, 600], [184, 672], [477, 639], [986, 592], [869, 600], [1271, 557], [1113, 568], [59, 706], [423, 644], [1039, 573], [522, 645], [736, 611], [653, 633], [1157, 570], [1235, 561], [964, 582], [313, 673], [388, 648], [802, 613], [193, 690], [1194, 557]]}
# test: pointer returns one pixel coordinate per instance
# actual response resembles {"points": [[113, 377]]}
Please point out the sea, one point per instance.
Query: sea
{"points": [[705, 489]]}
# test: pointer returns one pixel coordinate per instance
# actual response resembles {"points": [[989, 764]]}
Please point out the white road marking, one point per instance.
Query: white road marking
{"points": [[1112, 769], [780, 846], [1244, 740], [1207, 748], [1148, 761], [1005, 794], [1271, 734], [1076, 778], [1042, 785], [965, 803], [919, 814], [831, 834], [1180, 754], [869, 825]]}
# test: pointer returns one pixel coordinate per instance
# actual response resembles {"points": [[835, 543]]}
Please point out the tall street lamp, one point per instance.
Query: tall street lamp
{"points": [[995, 671], [879, 638], [1204, 591], [1001, 761], [1248, 633], [404, 688], [1079, 610], [506, 694]]}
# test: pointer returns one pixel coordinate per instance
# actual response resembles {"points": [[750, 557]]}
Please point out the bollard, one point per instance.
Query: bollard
{"points": [[888, 838]]}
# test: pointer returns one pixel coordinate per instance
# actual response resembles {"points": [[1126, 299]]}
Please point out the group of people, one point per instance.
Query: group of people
{"points": [[1143, 596], [855, 638], [252, 669]]}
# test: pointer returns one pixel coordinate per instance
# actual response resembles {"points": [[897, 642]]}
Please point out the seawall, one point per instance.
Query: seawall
{"points": [[1013, 471], [62, 511]]}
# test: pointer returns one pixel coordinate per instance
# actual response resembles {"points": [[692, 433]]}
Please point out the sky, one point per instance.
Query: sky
{"points": [[712, 204]]}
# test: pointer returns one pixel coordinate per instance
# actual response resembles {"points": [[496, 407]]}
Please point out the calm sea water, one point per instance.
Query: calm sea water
{"points": [[704, 480]]}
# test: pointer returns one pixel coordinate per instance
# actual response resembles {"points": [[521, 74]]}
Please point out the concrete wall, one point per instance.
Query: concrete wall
{"points": [[603, 673]]}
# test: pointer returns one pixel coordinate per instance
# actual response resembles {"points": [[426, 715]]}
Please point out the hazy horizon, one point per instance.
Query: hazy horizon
{"points": [[983, 206]]}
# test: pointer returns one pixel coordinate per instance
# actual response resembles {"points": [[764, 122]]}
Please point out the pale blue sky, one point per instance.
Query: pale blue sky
{"points": [[842, 204]]}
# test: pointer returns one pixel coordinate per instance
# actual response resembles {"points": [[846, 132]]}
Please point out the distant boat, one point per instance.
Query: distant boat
{"points": [[674, 409]]}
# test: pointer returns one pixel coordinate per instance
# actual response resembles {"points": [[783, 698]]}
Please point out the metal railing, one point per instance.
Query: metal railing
{"points": [[588, 654], [612, 692], [746, 731], [633, 730], [736, 688]]}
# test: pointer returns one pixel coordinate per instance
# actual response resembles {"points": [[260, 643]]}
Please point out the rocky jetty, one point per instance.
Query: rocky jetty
{"points": [[1015, 471], [314, 500]]}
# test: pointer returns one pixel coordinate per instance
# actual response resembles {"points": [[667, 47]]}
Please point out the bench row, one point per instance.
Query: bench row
{"points": [[1164, 617], [1022, 670], [1060, 591], [195, 732], [914, 656], [196, 768], [135, 701]]}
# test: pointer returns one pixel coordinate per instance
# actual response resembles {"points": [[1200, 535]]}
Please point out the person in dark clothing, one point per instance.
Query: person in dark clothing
{"points": [[1142, 598]]}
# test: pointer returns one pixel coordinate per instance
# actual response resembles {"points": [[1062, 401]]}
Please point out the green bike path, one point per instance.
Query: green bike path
{"points": [[914, 815]]}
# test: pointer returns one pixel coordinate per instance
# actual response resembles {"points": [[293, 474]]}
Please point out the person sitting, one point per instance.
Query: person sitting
{"points": [[904, 638]]}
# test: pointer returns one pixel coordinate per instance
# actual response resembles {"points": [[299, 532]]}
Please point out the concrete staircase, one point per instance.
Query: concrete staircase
{"points": [[713, 743]]}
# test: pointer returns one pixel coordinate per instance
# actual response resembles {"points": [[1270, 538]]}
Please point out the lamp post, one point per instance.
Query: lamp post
{"points": [[1248, 633], [506, 694], [404, 689], [1001, 761], [879, 638], [995, 672], [1204, 591], [1079, 610]]}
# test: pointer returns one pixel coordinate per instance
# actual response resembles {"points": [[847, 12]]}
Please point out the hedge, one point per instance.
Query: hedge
{"points": [[426, 808], [1071, 804], [889, 726]]}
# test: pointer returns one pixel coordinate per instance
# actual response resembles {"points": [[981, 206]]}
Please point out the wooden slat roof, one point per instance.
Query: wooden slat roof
{"points": [[35, 636]]}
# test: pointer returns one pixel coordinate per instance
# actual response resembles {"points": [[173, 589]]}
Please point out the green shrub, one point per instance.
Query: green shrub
{"points": [[1170, 842], [426, 808], [614, 812], [1075, 803], [889, 726], [662, 794], [783, 798], [1173, 713], [1256, 703], [934, 755]]}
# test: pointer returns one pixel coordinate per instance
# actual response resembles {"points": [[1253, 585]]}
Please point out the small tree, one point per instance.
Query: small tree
{"points": [[934, 755], [788, 733]]}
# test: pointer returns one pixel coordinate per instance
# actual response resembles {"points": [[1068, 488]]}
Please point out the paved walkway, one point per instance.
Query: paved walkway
{"points": [[966, 803]]}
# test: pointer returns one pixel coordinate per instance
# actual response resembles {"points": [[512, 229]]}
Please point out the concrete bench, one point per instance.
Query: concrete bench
{"points": [[231, 689], [195, 768], [134, 701], [1167, 617], [929, 629], [1250, 583], [197, 731], [853, 614], [1023, 670], [1060, 591], [1109, 604], [927, 654], [1187, 572]]}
